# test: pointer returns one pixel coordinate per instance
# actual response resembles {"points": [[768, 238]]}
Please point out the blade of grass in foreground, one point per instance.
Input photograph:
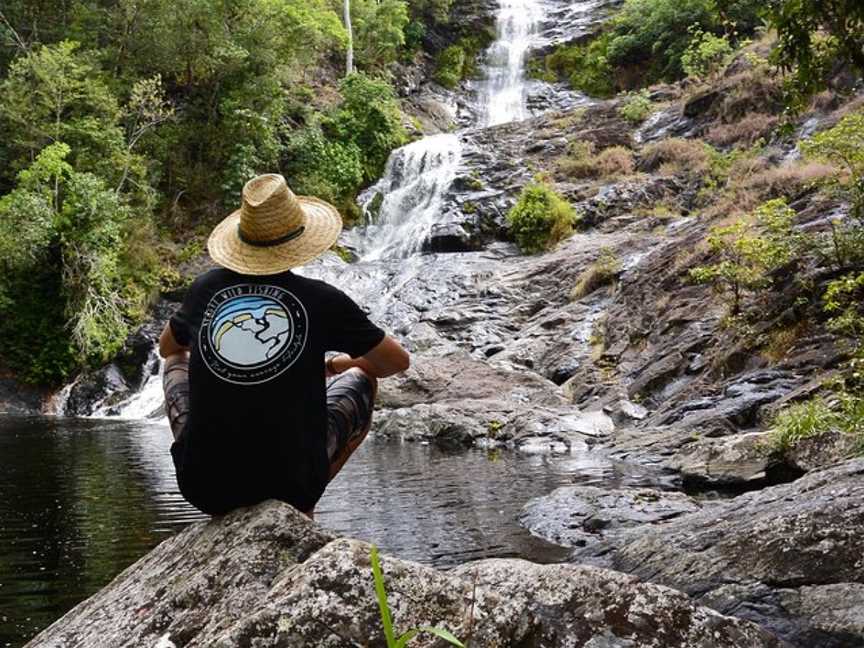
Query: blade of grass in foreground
{"points": [[387, 621], [382, 599]]}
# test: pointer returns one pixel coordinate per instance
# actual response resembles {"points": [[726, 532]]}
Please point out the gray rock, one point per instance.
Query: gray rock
{"points": [[19, 399], [267, 577], [735, 460], [762, 554], [449, 237], [575, 516]]}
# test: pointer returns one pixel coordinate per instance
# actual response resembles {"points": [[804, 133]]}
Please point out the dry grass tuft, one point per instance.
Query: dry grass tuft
{"points": [[615, 161], [602, 272], [583, 163], [751, 91], [782, 341], [745, 131], [676, 156], [789, 180]]}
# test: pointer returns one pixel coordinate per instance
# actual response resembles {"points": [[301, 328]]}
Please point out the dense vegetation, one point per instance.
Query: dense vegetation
{"points": [[128, 127], [649, 41]]}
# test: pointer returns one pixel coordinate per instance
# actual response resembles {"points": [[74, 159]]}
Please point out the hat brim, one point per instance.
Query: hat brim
{"points": [[321, 230]]}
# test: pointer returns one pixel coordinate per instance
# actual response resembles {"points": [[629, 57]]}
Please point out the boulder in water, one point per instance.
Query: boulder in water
{"points": [[268, 577]]}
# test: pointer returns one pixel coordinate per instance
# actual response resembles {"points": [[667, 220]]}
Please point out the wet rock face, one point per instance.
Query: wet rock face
{"points": [[774, 556], [268, 577], [19, 399]]}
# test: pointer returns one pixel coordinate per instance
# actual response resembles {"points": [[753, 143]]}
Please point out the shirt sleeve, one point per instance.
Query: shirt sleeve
{"points": [[186, 319], [350, 330]]}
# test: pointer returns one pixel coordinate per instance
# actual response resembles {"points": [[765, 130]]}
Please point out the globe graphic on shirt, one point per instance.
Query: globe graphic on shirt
{"points": [[250, 330]]}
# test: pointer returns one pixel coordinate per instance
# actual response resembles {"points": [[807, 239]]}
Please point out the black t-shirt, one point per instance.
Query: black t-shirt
{"points": [[257, 404]]}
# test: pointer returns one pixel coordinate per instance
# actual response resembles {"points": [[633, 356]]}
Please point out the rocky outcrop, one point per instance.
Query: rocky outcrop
{"points": [[789, 557], [19, 399], [268, 577]]}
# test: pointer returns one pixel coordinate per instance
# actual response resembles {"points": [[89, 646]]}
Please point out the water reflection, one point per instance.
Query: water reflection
{"points": [[82, 499]]}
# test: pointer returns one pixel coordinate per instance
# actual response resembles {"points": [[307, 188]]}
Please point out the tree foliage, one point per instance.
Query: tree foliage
{"points": [[748, 251], [814, 35], [123, 121]]}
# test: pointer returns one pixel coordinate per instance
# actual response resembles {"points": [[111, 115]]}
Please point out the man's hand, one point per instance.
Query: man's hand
{"points": [[386, 359]]}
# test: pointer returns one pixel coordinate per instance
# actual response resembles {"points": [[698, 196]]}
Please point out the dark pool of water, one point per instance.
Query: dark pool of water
{"points": [[82, 499]]}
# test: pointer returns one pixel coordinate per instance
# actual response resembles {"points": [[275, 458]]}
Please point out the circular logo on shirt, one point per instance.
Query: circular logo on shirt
{"points": [[252, 333]]}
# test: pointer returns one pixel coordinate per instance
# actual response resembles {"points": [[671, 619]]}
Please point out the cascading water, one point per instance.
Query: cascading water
{"points": [[412, 192], [502, 92]]}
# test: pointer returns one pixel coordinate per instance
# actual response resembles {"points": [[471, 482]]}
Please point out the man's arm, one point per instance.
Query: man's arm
{"points": [[386, 359], [168, 345]]}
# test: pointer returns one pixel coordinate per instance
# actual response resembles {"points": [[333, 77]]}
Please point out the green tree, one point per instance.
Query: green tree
{"points": [[56, 215], [56, 94], [749, 251], [379, 31]]}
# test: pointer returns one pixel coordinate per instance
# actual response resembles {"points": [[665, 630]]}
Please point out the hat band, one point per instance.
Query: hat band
{"points": [[290, 236]]}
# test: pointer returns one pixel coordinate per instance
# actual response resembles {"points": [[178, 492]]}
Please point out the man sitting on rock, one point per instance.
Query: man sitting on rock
{"points": [[245, 379]]}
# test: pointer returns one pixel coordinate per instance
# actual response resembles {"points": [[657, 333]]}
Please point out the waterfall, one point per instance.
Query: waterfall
{"points": [[405, 204], [411, 196], [502, 91]]}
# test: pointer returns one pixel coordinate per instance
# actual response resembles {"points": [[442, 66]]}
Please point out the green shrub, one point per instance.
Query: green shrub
{"points": [[706, 55], [450, 66], [586, 67], [317, 166], [540, 218], [646, 41], [657, 32], [844, 302], [636, 107], [369, 118], [844, 145], [749, 252]]}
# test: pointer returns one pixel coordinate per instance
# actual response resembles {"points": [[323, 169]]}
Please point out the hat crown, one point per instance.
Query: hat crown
{"points": [[270, 210]]}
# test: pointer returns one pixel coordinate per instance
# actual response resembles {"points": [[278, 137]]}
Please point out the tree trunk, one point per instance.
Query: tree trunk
{"points": [[349, 56]]}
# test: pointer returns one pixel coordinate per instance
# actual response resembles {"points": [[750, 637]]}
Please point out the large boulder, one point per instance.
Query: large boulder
{"points": [[789, 557], [267, 577]]}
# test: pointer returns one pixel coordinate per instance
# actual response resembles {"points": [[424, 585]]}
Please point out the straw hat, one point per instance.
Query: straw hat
{"points": [[274, 230]]}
